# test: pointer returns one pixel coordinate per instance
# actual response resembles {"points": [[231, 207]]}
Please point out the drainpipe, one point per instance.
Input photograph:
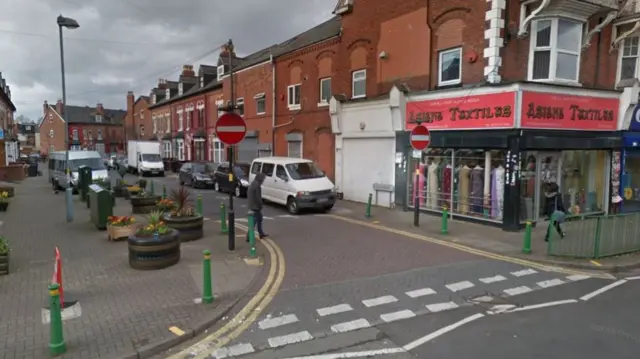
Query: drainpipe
{"points": [[273, 104]]}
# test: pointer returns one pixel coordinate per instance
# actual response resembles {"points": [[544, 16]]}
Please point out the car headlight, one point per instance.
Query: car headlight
{"points": [[305, 193], [334, 189], [244, 182]]}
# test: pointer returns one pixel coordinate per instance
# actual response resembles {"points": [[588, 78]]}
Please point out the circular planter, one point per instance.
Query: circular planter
{"points": [[190, 228], [4, 206], [4, 263], [144, 205], [150, 252]]}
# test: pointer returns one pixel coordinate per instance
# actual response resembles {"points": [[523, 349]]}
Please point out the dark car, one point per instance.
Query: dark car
{"points": [[196, 174], [240, 182]]}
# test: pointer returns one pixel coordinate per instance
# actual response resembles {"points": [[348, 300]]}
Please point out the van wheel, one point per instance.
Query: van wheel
{"points": [[292, 206]]}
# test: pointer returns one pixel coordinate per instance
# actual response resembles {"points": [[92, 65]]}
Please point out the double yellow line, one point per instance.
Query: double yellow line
{"points": [[471, 250], [248, 315]]}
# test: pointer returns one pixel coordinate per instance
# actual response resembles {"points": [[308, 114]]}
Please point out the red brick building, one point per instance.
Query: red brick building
{"points": [[9, 141], [138, 124]]}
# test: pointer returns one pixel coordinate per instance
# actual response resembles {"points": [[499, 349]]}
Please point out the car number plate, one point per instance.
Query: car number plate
{"points": [[155, 172], [322, 199]]}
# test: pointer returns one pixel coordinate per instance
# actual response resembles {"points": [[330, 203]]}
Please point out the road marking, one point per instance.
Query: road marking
{"points": [[456, 287], [363, 354], [427, 338], [550, 283], [290, 339], [340, 308], [500, 308], [420, 292], [265, 217], [633, 278], [597, 264], [441, 307], [379, 301], [287, 216], [524, 272], [467, 249], [483, 299], [544, 305], [575, 278], [350, 326], [177, 331], [497, 278], [403, 314], [603, 289], [517, 290], [277, 321], [232, 351]]}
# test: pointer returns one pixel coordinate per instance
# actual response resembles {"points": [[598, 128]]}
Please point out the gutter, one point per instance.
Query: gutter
{"points": [[273, 104]]}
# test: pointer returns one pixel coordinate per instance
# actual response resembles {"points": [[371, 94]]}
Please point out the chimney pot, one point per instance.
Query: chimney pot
{"points": [[59, 107]]}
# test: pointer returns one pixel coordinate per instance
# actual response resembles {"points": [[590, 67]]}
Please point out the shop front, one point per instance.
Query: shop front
{"points": [[626, 186], [494, 151]]}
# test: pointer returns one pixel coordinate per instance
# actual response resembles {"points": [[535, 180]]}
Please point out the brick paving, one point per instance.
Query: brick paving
{"points": [[123, 311]]}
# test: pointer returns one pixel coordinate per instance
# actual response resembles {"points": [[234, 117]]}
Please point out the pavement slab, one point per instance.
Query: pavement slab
{"points": [[123, 311]]}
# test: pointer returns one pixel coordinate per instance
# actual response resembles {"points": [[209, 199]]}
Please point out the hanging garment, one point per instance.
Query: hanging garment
{"points": [[493, 197], [477, 189], [464, 189], [499, 193], [432, 177], [446, 187]]}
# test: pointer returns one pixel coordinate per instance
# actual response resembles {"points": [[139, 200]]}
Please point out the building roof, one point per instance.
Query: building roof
{"points": [[144, 98], [87, 115]]}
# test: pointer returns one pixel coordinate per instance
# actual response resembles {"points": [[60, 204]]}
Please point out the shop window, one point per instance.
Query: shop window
{"points": [[469, 183], [555, 50], [294, 149], [629, 59], [449, 67], [325, 90], [359, 84], [583, 181]]}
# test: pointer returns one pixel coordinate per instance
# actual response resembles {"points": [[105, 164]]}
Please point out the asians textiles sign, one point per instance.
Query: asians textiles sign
{"points": [[469, 112]]}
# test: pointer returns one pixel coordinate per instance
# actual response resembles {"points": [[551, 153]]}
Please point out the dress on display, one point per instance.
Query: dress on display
{"points": [[492, 199], [464, 189], [446, 186], [477, 189], [432, 178], [498, 196]]}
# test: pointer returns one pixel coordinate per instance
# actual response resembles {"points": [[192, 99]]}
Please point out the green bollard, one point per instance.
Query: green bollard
{"points": [[367, 213], [207, 290], [153, 188], [444, 228], [164, 191], [56, 341], [252, 236], [223, 219], [526, 243], [199, 204]]}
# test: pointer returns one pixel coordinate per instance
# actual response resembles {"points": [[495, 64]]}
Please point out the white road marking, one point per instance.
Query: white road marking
{"points": [[517, 290], [287, 216], [290, 339], [379, 301], [550, 283], [420, 292], [440, 307], [497, 278], [500, 308], [456, 287], [277, 321], [544, 305], [522, 273], [340, 308], [427, 338], [483, 299], [403, 314], [364, 354], [232, 351], [603, 289], [633, 278], [578, 277], [350, 326], [265, 217]]}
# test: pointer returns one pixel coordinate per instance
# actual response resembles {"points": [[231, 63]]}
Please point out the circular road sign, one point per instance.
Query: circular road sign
{"points": [[420, 137], [231, 128]]}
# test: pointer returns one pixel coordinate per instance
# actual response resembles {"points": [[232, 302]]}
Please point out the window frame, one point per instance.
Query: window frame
{"points": [[240, 106], [299, 143], [621, 56], [323, 101], [553, 49], [291, 105], [353, 83], [220, 72], [261, 97], [441, 54]]}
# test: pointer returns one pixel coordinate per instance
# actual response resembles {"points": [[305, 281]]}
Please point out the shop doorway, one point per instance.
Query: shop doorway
{"points": [[549, 171], [538, 169]]}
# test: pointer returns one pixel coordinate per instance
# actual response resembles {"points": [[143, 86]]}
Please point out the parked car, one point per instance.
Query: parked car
{"points": [[240, 182], [196, 174]]}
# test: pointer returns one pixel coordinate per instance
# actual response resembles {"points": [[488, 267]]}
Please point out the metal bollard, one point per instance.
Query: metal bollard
{"points": [[223, 219], [199, 204], [367, 212], [152, 188], [251, 233], [207, 289], [416, 201], [57, 345], [164, 191], [444, 228], [526, 243]]}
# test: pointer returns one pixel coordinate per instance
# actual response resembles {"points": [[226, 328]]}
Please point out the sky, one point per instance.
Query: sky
{"points": [[127, 45]]}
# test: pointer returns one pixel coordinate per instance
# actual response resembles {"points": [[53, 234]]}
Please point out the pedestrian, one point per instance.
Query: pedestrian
{"points": [[254, 197], [554, 210]]}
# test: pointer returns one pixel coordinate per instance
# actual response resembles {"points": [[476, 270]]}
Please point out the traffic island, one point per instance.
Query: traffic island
{"points": [[141, 204]]}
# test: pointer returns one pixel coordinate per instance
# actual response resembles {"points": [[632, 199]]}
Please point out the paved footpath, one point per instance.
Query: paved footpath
{"points": [[120, 312]]}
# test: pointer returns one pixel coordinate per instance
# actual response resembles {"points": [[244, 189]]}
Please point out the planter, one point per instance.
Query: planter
{"points": [[142, 183], [190, 228], [120, 191], [154, 252], [143, 205], [9, 189], [120, 233], [4, 206], [4, 263]]}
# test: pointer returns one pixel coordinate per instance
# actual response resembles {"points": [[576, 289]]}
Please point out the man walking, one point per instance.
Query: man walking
{"points": [[254, 197]]}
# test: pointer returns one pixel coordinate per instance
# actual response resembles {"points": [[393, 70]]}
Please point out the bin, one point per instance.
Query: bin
{"points": [[101, 206]]}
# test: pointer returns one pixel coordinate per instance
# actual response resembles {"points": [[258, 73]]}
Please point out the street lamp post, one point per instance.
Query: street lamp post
{"points": [[69, 24]]}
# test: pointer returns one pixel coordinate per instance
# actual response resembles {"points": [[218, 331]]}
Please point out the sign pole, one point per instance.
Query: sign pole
{"points": [[420, 139], [231, 214]]}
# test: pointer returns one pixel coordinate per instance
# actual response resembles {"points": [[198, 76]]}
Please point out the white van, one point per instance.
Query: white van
{"points": [[294, 182], [57, 166]]}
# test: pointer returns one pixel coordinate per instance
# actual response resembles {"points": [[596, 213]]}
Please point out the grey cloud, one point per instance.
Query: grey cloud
{"points": [[160, 36]]}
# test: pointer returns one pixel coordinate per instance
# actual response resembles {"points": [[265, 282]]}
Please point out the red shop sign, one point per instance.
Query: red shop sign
{"points": [[468, 112], [568, 112]]}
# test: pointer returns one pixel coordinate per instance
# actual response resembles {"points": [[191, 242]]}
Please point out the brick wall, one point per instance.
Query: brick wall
{"points": [[50, 122]]}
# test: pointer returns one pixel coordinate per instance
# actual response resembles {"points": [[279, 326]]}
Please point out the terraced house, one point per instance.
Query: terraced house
{"points": [[9, 151]]}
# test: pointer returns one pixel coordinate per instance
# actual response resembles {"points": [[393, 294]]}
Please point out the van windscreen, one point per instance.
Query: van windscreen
{"points": [[93, 163], [304, 170]]}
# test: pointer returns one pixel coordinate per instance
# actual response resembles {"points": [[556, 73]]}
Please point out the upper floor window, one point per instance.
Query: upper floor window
{"points": [[142, 130], [629, 58], [180, 89], [201, 81], [180, 124], [359, 84], [189, 112], [293, 97], [240, 106], [201, 117], [167, 94], [51, 133], [555, 50], [75, 134], [261, 103], [325, 90], [98, 118], [449, 69], [142, 114], [153, 99], [99, 134], [220, 72]]}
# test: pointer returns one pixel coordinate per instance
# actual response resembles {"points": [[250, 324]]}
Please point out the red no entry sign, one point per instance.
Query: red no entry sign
{"points": [[420, 137], [231, 128]]}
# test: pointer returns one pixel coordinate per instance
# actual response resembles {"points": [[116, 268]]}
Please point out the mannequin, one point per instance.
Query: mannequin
{"points": [[497, 196], [463, 177], [418, 188], [432, 177], [477, 189], [446, 185]]}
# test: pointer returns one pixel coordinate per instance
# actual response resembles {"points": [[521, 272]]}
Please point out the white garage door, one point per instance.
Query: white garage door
{"points": [[366, 161]]}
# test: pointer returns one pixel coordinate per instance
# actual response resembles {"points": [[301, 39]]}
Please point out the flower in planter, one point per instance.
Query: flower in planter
{"points": [[120, 221], [181, 197], [154, 226], [4, 245], [165, 205], [142, 183], [134, 189], [4, 197]]}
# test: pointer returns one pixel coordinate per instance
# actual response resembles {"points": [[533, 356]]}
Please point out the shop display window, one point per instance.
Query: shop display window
{"points": [[528, 178], [630, 182], [583, 184]]}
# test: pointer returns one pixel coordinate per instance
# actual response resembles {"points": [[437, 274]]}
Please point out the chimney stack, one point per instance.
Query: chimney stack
{"points": [[187, 71], [45, 107], [99, 109], [162, 84], [59, 108]]}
